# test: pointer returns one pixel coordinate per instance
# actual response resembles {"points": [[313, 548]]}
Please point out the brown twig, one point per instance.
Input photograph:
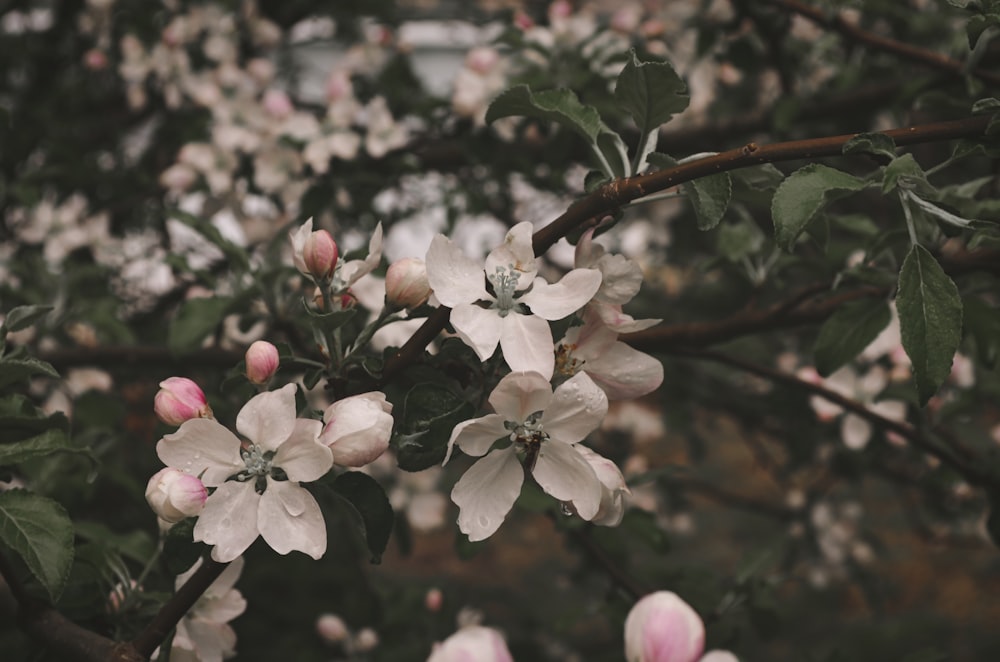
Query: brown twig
{"points": [[849, 30], [173, 611], [971, 471], [620, 192]]}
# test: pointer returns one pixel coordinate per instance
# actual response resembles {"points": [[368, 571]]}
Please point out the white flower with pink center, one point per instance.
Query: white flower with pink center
{"points": [[514, 311], [256, 481], [542, 428]]}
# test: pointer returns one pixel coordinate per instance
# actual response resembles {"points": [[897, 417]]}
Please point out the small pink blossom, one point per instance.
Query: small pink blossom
{"points": [[174, 495], [406, 283], [475, 642], [261, 361], [661, 627], [180, 399]]}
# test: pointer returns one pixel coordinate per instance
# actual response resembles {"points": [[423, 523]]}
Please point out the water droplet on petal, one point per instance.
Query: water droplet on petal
{"points": [[226, 523], [566, 510], [484, 520]]}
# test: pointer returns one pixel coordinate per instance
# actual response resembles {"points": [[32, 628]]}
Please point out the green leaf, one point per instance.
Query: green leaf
{"points": [[372, 507], [46, 443], [735, 241], [930, 319], [651, 92], [24, 316], [20, 419], [613, 149], [906, 173], [560, 106], [195, 320], [986, 106], [803, 194], [17, 370], [847, 332], [430, 413], [39, 530], [874, 144], [710, 198]]}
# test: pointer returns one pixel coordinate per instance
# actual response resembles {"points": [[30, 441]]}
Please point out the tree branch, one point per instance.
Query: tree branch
{"points": [[969, 469], [620, 192], [850, 31]]}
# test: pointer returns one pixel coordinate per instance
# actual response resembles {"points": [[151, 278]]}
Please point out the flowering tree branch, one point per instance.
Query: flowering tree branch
{"points": [[620, 192]]}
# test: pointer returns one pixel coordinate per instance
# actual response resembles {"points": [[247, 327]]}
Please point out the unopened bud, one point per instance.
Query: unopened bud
{"points": [[472, 643], [174, 495], [320, 254], [332, 629], [262, 361], [180, 399], [366, 640], [433, 600], [406, 283], [663, 628]]}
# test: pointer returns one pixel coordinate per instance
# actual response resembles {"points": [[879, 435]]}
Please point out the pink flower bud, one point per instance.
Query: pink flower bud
{"points": [[357, 429], [366, 640], [663, 628], [180, 399], [320, 254], [332, 629], [406, 283], [475, 642], [95, 59], [277, 104], [482, 59], [613, 487], [174, 495], [262, 361], [433, 600], [523, 20]]}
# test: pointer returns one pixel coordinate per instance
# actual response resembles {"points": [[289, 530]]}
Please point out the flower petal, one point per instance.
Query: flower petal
{"points": [[475, 437], [855, 431], [520, 394], [302, 457], [350, 272], [527, 344], [557, 300], [202, 447], [291, 519], [269, 418], [487, 492], [516, 252], [479, 328], [454, 277], [662, 627], [298, 241], [621, 278], [564, 474], [229, 520], [578, 407], [624, 373]]}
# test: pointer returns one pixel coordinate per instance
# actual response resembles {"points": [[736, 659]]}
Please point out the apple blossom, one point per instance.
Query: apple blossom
{"points": [[357, 429], [174, 495], [621, 279], [344, 274], [180, 399], [474, 642], [613, 487], [661, 627], [257, 491], [406, 283], [204, 634], [261, 361], [332, 629], [623, 372], [543, 426], [515, 313]]}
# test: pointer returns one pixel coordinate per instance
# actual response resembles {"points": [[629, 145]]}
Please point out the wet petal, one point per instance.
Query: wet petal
{"points": [[291, 519], [229, 520], [454, 277], [269, 418], [487, 492], [479, 328], [578, 407], [564, 474], [302, 457], [202, 447], [557, 300], [520, 394], [527, 344]]}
